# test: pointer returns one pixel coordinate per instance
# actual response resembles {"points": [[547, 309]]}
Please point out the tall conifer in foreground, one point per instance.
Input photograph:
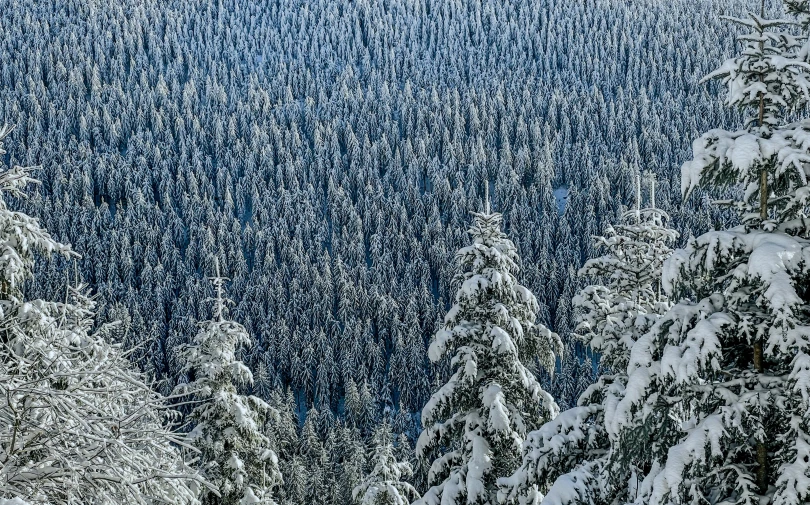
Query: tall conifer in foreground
{"points": [[477, 420], [229, 428], [724, 375], [577, 458]]}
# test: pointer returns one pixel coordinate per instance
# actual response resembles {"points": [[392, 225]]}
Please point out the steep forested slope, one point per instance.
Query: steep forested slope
{"points": [[328, 153]]}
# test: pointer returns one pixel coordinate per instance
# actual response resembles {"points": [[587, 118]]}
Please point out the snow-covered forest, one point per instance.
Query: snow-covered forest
{"points": [[303, 218]]}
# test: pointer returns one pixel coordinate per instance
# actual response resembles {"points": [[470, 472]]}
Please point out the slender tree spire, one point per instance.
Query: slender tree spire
{"points": [[486, 197], [220, 302]]}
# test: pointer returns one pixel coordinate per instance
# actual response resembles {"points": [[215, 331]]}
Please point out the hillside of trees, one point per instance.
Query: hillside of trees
{"points": [[333, 176], [326, 157]]}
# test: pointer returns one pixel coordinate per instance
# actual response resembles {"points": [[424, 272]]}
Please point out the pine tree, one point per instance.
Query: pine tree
{"points": [[353, 462], [479, 418], [284, 435], [564, 383], [228, 428], [295, 486], [576, 458], [720, 386], [314, 459], [383, 485], [77, 423], [767, 80]]}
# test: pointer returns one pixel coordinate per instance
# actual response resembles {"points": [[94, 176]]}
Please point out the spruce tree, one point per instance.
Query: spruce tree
{"points": [[384, 485], [720, 385], [353, 462], [283, 432], [228, 428], [576, 458], [314, 460], [477, 420]]}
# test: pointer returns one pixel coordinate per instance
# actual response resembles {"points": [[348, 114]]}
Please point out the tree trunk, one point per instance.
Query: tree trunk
{"points": [[759, 362], [763, 195], [762, 451]]}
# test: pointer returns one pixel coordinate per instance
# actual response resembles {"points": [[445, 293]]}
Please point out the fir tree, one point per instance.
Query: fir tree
{"points": [[228, 428], [384, 485], [353, 462], [480, 417], [314, 460], [722, 381], [284, 435], [577, 458]]}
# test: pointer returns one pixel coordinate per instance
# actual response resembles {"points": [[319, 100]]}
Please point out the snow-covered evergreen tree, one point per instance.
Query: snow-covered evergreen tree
{"points": [[384, 485], [314, 461], [283, 432], [228, 428], [564, 383], [577, 458], [719, 388], [78, 424], [479, 418], [353, 457], [767, 157]]}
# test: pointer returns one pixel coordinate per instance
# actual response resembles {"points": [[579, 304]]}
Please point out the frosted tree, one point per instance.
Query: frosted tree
{"points": [[479, 418], [627, 295], [577, 457], [767, 80], [77, 423], [314, 460], [352, 459], [565, 386], [284, 434], [722, 380], [384, 485], [269, 191], [228, 428]]}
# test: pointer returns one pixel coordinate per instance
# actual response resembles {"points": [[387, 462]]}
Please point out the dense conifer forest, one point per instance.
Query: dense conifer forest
{"points": [[321, 160], [329, 155]]}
